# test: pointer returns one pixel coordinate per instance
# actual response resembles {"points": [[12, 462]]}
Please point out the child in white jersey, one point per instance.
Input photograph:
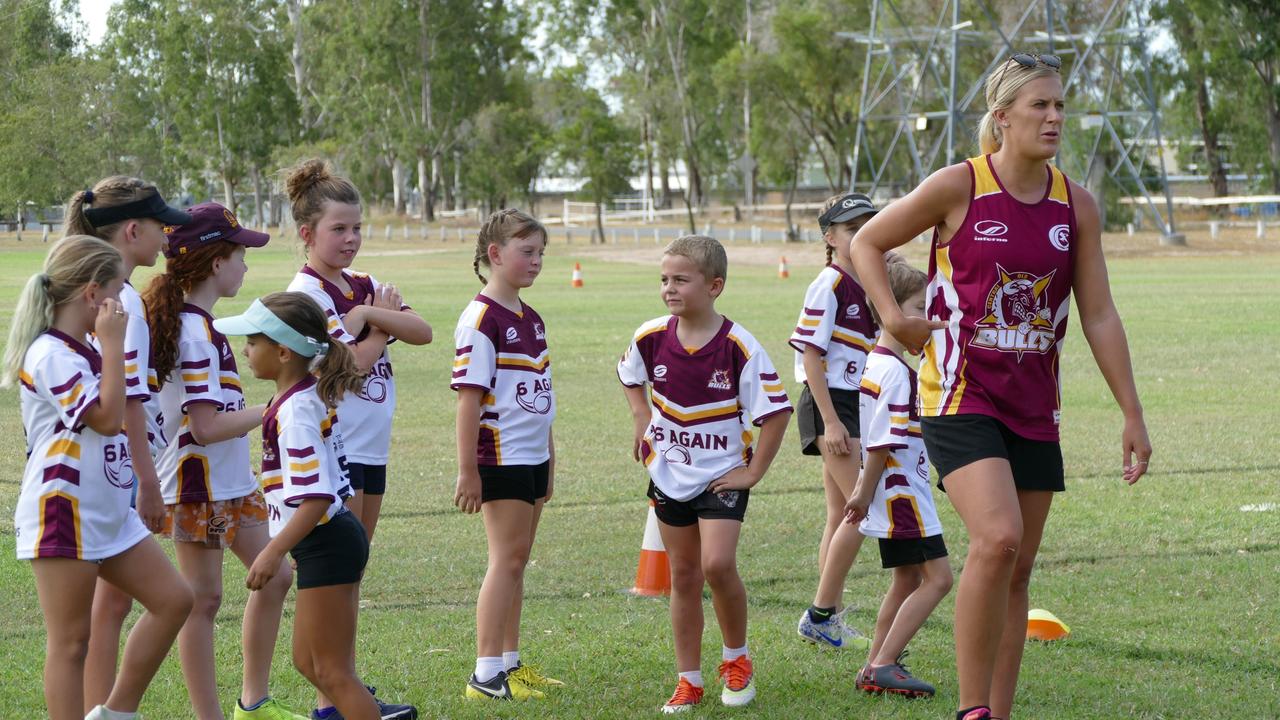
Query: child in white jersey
{"points": [[131, 215], [709, 384], [304, 475], [832, 337], [211, 496], [894, 502], [506, 454], [73, 518], [367, 317]]}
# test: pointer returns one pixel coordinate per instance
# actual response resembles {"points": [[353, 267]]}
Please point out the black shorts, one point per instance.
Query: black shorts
{"points": [[725, 505], [809, 418], [514, 482], [334, 553], [897, 552], [954, 441], [368, 479]]}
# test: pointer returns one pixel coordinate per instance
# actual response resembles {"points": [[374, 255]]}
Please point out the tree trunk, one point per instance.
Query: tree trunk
{"points": [[457, 203], [424, 182], [20, 221], [259, 218], [437, 181], [648, 159], [1217, 176], [397, 185], [666, 183], [791, 196], [294, 9], [600, 218], [1273, 134]]}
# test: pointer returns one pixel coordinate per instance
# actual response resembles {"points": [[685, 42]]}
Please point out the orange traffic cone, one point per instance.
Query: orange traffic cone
{"points": [[576, 280], [782, 268], [653, 575]]}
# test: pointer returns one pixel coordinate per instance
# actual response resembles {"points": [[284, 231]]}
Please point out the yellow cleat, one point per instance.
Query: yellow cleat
{"points": [[269, 710], [501, 687], [530, 676]]}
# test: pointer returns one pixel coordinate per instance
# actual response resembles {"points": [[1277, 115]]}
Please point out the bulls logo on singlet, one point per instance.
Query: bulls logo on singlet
{"points": [[1002, 284]]}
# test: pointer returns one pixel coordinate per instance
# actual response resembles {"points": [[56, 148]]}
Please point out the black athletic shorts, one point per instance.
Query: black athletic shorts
{"points": [[334, 553], [514, 482], [897, 552], [369, 479], [954, 441], [724, 505], [809, 418]]}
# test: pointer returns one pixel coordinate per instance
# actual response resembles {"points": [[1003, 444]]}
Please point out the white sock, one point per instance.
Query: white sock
{"points": [[487, 668], [694, 677], [510, 660], [102, 712], [729, 653]]}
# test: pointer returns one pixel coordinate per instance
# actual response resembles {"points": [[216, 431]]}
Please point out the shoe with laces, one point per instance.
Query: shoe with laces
{"points": [[530, 676], [833, 633], [686, 696], [270, 709], [500, 687], [738, 677], [893, 678]]}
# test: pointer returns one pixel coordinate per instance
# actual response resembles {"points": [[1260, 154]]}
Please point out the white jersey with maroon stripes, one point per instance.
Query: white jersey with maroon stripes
{"points": [[302, 455], [74, 501], [205, 373], [903, 504], [367, 414], [138, 375], [836, 320], [705, 402], [505, 354]]}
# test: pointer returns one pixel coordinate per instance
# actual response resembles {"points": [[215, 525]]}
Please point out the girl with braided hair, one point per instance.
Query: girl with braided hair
{"points": [[506, 455]]}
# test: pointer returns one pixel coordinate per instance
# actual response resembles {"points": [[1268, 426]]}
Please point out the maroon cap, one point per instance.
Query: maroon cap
{"points": [[210, 222]]}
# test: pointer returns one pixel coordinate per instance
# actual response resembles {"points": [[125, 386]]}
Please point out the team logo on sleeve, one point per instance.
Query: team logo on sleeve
{"points": [[720, 380], [852, 311], [1060, 237], [1018, 317]]}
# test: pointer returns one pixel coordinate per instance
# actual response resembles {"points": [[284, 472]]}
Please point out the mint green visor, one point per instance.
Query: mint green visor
{"points": [[258, 320]]}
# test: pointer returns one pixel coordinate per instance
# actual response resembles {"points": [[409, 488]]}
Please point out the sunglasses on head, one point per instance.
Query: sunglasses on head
{"points": [[1029, 61]]}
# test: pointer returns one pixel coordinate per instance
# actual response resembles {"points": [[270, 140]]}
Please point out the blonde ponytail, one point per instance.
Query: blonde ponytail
{"points": [[73, 262], [1002, 88]]}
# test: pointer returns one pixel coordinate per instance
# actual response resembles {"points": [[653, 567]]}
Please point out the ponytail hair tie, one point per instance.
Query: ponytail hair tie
{"points": [[87, 197], [45, 281]]}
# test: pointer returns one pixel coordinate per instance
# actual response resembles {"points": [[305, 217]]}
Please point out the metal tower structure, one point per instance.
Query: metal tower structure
{"points": [[923, 92]]}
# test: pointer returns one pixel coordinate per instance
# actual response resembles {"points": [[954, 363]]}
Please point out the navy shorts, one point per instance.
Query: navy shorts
{"points": [[514, 482], [809, 418], [334, 553], [724, 505], [954, 441], [369, 479]]}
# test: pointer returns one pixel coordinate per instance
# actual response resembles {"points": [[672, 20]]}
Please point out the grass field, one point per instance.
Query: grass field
{"points": [[1169, 587]]}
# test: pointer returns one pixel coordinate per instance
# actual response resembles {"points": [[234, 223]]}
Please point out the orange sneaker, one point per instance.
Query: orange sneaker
{"points": [[686, 696], [738, 678]]}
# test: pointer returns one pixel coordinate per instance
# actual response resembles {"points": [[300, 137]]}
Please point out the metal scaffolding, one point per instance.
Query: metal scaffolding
{"points": [[922, 93]]}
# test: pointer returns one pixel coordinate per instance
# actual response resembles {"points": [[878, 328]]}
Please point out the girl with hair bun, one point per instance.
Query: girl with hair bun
{"points": [[1013, 241], [366, 316]]}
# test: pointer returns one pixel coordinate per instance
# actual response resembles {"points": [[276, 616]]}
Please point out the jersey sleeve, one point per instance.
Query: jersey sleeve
{"points": [[475, 361], [137, 359], [760, 390], [337, 330], [198, 373], [890, 395], [632, 369], [817, 317], [66, 381], [306, 470]]}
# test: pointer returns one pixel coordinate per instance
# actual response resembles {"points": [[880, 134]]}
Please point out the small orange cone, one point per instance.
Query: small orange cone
{"points": [[576, 280], [653, 574], [783, 272], [1045, 626]]}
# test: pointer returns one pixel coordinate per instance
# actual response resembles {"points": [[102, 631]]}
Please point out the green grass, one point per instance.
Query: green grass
{"points": [[1170, 590]]}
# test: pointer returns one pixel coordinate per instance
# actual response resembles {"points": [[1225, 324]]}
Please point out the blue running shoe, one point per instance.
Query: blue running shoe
{"points": [[833, 634]]}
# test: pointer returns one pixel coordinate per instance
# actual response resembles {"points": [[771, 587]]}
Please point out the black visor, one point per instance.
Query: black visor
{"points": [[848, 207], [148, 207]]}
